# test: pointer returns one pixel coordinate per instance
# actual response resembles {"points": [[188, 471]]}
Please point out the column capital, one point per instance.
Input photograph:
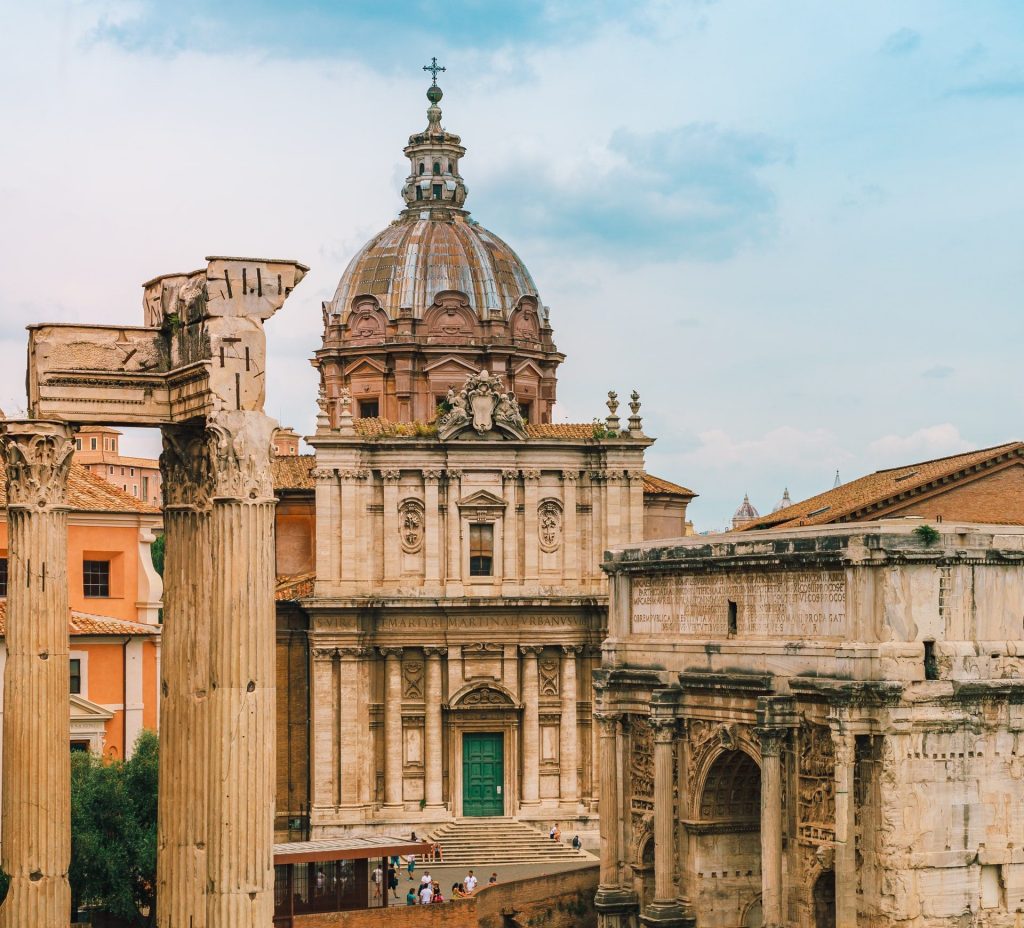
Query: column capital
{"points": [[614, 476], [635, 474], [324, 654], [433, 474], [433, 650], [38, 458], [843, 747], [324, 473], [666, 730], [531, 474], [530, 650], [772, 740], [596, 476], [510, 473], [572, 649], [570, 476], [354, 652], [453, 473], [390, 475], [352, 473], [391, 652]]}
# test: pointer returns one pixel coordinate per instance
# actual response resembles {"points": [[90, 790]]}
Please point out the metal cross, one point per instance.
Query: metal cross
{"points": [[434, 68]]}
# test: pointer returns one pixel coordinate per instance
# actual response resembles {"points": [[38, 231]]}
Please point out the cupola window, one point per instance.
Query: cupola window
{"points": [[423, 167], [419, 193], [437, 191], [437, 167]]}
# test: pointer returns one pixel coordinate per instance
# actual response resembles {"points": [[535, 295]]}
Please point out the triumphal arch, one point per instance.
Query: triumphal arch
{"points": [[196, 370]]}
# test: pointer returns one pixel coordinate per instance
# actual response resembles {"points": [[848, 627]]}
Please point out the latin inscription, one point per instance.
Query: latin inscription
{"points": [[796, 604]]}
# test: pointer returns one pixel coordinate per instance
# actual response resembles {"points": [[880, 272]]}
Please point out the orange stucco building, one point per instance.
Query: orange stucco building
{"points": [[115, 595]]}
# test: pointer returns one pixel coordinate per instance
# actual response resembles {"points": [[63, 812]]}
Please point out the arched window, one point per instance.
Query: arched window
{"points": [[423, 167], [419, 193], [437, 167]]}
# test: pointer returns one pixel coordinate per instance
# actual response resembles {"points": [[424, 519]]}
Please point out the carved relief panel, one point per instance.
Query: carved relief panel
{"points": [[482, 660], [549, 525], [641, 768], [548, 667], [816, 803], [411, 523], [412, 679]]}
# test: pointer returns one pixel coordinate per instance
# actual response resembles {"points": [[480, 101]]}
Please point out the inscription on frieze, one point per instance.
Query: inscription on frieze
{"points": [[806, 603]]}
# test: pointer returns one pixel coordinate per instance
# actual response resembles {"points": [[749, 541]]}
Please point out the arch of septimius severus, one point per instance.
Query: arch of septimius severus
{"points": [[195, 369]]}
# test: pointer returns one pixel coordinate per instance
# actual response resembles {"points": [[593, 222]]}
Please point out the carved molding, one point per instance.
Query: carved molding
{"points": [[482, 405], [548, 676], [412, 679], [391, 652], [390, 475], [38, 459], [431, 650]]}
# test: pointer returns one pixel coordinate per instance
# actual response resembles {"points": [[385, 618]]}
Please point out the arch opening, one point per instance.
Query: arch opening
{"points": [[728, 852], [824, 898]]}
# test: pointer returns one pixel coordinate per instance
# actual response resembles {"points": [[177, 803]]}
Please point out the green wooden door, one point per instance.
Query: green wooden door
{"points": [[483, 773]]}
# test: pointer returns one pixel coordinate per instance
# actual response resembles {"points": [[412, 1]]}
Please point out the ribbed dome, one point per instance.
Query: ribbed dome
{"points": [[418, 256]]}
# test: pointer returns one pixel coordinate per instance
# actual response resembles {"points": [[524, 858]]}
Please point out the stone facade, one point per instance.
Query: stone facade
{"points": [[815, 727]]}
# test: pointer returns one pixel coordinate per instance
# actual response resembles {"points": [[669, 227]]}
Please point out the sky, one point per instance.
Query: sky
{"points": [[796, 229]]}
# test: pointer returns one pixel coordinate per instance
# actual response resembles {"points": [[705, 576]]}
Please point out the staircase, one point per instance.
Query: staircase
{"points": [[480, 842]]}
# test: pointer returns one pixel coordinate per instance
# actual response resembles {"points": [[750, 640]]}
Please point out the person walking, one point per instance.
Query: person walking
{"points": [[410, 897], [393, 880], [377, 877], [411, 864], [426, 893], [470, 883]]}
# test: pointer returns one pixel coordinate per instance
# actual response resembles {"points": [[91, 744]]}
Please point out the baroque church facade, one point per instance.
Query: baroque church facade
{"points": [[441, 605]]}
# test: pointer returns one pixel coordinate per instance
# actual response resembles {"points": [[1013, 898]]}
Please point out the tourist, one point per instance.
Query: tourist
{"points": [[437, 853], [411, 864], [470, 883], [493, 879], [426, 893], [437, 893], [410, 897], [458, 891], [320, 882], [556, 833], [377, 877], [426, 878], [576, 843], [393, 880]]}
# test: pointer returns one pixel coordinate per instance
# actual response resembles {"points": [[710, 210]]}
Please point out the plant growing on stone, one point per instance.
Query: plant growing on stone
{"points": [[926, 535]]}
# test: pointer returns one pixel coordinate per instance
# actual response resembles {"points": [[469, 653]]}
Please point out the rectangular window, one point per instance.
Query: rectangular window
{"points": [[369, 409], [76, 675], [524, 411], [78, 444], [3, 575], [437, 191], [135, 489], [122, 471], [110, 469], [96, 579], [92, 444], [131, 471], [733, 624], [481, 550], [145, 486], [79, 747]]}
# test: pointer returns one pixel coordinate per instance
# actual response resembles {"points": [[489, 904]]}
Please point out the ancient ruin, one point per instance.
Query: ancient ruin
{"points": [[195, 369]]}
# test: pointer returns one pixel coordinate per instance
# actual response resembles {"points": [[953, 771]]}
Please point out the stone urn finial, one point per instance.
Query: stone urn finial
{"points": [[345, 425], [635, 421], [612, 422]]}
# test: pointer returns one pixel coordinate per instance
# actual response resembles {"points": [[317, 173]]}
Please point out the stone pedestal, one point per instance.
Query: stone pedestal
{"points": [[36, 772]]}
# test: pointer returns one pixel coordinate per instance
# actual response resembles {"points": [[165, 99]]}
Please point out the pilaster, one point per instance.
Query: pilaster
{"points": [[846, 855], [433, 696], [570, 536], [392, 727], [510, 549], [615, 903], [531, 501], [531, 725], [568, 731], [392, 549], [432, 529], [324, 727], [351, 735], [36, 774], [453, 559]]}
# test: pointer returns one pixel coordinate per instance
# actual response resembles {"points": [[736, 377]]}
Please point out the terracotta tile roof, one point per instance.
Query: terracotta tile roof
{"points": [[93, 458], [654, 484], [297, 587], [88, 492], [84, 623], [294, 472], [850, 500], [574, 430]]}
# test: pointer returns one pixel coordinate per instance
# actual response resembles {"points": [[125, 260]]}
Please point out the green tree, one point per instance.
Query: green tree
{"points": [[157, 550], [113, 832]]}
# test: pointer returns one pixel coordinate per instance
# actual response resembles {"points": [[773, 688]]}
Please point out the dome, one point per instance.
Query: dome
{"points": [[421, 255]]}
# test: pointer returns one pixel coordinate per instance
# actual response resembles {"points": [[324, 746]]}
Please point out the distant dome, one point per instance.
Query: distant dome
{"points": [[419, 256], [745, 513], [783, 503]]}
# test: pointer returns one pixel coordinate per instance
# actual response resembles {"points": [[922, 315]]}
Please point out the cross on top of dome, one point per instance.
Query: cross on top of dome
{"points": [[434, 68]]}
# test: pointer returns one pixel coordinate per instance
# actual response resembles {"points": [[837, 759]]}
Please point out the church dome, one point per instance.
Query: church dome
{"points": [[421, 255], [434, 246]]}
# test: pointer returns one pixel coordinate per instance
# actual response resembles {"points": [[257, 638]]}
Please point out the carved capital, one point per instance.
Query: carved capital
{"points": [[572, 649], [614, 476], [607, 722], [843, 748], [531, 474], [510, 473], [324, 654], [38, 458], [596, 476], [353, 653], [324, 473], [772, 740], [633, 475], [666, 730], [453, 473], [432, 475], [530, 650], [391, 652], [390, 475], [570, 476], [432, 650]]}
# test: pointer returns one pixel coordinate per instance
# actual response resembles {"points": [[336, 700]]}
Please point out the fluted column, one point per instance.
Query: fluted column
{"points": [[771, 824], [531, 726], [350, 734], [612, 897], [665, 910], [846, 854], [431, 529], [185, 679], [568, 744], [36, 771], [241, 782], [433, 697], [392, 548], [392, 727]]}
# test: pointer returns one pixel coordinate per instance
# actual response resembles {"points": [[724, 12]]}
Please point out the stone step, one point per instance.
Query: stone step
{"points": [[480, 842]]}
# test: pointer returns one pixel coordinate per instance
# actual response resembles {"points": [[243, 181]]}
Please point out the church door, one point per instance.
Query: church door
{"points": [[483, 773]]}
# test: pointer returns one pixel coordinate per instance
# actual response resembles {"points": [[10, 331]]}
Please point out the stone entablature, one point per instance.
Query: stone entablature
{"points": [[840, 713]]}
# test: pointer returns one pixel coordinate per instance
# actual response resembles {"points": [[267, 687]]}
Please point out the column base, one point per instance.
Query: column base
{"points": [[667, 915], [615, 900]]}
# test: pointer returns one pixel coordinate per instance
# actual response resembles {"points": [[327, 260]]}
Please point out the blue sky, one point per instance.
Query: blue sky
{"points": [[796, 229]]}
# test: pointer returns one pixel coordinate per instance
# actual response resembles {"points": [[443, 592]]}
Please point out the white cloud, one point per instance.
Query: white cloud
{"points": [[786, 446], [934, 441]]}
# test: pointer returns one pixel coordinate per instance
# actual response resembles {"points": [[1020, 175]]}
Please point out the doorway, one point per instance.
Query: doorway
{"points": [[483, 773], [825, 900]]}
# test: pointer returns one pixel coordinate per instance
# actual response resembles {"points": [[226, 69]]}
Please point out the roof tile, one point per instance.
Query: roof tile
{"points": [[84, 623], [88, 492]]}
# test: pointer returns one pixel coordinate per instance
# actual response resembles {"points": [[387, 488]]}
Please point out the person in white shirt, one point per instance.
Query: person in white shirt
{"points": [[378, 878], [470, 882], [426, 893], [425, 879]]}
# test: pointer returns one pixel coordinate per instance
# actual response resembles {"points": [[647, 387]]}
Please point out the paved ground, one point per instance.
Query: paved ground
{"points": [[506, 873]]}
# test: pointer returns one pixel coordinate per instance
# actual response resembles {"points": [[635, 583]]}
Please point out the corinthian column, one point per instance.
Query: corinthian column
{"points": [[392, 727], [612, 897], [771, 824], [531, 726], [665, 910], [846, 855], [433, 692], [185, 679], [568, 750], [241, 777], [36, 772]]}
